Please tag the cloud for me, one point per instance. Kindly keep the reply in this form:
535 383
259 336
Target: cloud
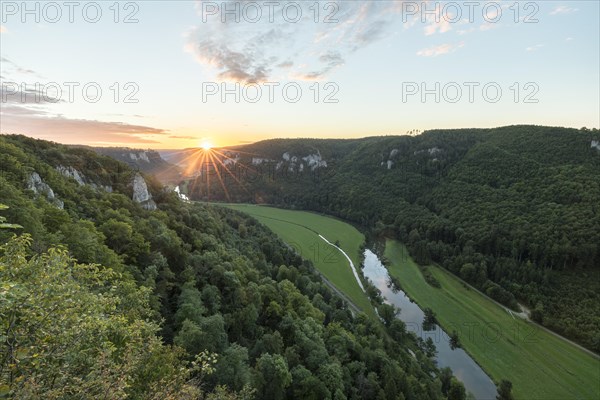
488 26
182 137
24 110
442 26
35 121
534 48
276 49
330 59
563 10
15 68
440 50
21 93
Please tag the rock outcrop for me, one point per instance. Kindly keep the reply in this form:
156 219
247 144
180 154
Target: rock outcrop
141 194
71 172
81 179
36 184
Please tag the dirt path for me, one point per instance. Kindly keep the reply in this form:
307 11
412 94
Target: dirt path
349 260
524 314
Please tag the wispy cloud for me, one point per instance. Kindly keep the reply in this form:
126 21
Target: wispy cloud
182 137
11 67
25 110
39 123
442 26
563 10
534 48
435 51
277 49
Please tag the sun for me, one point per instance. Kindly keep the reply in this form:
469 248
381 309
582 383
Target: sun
206 145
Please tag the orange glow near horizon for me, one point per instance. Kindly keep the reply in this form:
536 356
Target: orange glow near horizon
206 145
206 161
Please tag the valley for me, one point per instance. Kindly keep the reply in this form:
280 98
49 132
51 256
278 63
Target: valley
539 364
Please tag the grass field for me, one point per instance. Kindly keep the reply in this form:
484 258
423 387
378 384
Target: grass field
539 364
301 229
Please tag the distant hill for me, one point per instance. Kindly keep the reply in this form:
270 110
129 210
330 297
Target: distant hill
148 161
512 210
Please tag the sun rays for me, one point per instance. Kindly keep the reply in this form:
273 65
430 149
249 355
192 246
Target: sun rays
207 165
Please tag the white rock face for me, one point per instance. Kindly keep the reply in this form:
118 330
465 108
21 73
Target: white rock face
181 195
139 156
393 153
431 151
39 187
390 164
141 194
71 172
80 178
596 144
228 160
258 160
315 161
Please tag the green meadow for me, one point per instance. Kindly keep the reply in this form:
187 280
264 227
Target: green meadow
539 364
301 229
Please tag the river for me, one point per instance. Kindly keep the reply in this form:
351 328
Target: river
464 368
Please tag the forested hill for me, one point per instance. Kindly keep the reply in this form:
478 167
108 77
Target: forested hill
148 161
115 288
513 210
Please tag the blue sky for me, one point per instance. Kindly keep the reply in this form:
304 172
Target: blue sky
374 58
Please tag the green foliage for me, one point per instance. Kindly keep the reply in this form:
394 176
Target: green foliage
430 279
519 204
272 376
504 390
505 345
454 340
3 223
176 303
457 390
429 320
59 318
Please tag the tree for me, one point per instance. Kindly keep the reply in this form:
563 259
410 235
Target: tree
457 390
79 331
454 340
429 347
537 314
190 304
387 313
429 319
3 223
505 390
467 272
232 368
446 379
272 377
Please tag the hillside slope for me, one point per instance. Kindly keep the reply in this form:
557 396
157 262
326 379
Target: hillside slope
172 282
512 210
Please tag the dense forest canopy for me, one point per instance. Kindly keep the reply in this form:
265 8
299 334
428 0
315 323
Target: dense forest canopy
513 210
102 296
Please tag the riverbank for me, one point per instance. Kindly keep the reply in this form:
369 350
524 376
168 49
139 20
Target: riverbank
539 364
304 231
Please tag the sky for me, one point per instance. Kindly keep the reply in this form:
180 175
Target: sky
177 74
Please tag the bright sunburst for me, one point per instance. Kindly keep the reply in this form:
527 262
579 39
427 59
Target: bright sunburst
205 145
